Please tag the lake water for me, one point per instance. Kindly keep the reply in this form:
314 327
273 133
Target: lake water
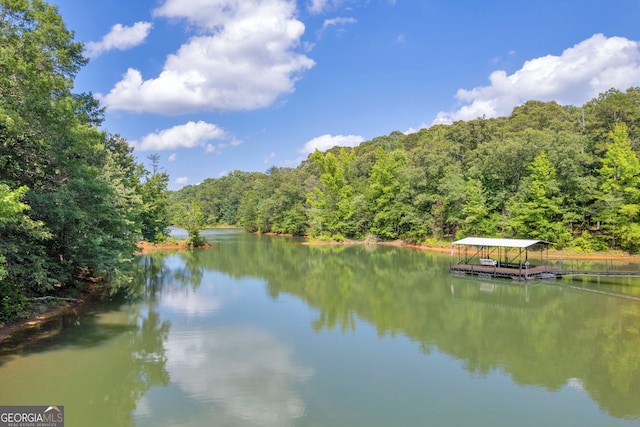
265 331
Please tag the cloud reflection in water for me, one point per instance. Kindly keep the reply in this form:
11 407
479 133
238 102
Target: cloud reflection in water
241 375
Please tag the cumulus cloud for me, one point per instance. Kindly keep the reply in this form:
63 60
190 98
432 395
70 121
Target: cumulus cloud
579 74
189 135
182 180
325 142
120 38
243 57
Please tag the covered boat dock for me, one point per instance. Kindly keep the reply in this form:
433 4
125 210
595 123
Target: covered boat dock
517 259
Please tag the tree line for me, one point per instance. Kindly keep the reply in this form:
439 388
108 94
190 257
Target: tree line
565 174
73 198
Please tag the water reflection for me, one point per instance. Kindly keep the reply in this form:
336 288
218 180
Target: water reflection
542 335
264 331
239 375
191 303
98 366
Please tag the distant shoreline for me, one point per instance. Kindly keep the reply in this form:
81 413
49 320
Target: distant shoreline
553 254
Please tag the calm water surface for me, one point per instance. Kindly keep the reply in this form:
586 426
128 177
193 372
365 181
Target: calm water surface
261 331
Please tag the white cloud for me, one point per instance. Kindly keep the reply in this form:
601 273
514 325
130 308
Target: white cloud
173 157
120 37
336 22
319 6
182 180
325 142
244 57
189 135
579 74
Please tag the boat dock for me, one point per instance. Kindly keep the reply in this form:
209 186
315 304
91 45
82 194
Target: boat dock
519 259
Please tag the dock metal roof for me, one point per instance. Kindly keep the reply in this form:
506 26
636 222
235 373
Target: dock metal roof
505 243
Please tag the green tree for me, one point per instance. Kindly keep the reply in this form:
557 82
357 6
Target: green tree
602 114
193 222
501 164
10 209
476 216
536 211
154 215
283 207
330 201
84 205
620 190
248 212
10 203
543 116
388 194
576 179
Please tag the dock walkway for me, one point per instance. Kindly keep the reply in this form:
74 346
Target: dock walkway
600 273
540 272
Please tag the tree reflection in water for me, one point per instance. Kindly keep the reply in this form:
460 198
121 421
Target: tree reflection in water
543 335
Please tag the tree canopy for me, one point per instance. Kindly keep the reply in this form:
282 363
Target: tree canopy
73 198
568 174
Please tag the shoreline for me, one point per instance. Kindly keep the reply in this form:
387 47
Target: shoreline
553 254
36 319
146 247
88 295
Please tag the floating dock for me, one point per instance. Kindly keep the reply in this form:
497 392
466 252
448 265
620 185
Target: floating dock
483 271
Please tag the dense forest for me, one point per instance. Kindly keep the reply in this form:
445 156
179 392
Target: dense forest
566 174
73 198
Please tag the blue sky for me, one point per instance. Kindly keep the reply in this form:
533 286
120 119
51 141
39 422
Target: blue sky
218 85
